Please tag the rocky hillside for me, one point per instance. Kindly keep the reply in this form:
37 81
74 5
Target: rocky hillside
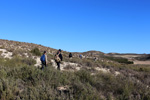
95 76
24 49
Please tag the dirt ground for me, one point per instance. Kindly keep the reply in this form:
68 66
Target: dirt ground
142 62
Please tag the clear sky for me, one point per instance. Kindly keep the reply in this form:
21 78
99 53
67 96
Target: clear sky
121 26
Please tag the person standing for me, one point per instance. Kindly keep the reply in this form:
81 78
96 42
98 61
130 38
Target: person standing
58 58
44 60
80 56
70 55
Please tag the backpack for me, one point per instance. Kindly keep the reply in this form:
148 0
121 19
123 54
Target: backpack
42 58
57 59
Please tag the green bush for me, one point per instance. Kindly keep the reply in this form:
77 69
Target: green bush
120 60
36 52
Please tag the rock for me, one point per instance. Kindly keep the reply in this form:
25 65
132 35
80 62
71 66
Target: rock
38 61
103 70
6 54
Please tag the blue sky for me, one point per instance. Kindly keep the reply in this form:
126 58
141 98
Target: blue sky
121 26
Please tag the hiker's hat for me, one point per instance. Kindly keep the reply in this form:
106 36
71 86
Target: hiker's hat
59 50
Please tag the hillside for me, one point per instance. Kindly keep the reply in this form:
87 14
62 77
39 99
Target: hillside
97 76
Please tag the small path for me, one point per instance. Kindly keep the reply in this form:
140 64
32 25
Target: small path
67 66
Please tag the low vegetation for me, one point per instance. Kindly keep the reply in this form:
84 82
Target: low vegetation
120 60
20 80
36 52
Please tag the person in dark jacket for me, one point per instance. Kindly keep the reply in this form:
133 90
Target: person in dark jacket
43 60
60 57
70 55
